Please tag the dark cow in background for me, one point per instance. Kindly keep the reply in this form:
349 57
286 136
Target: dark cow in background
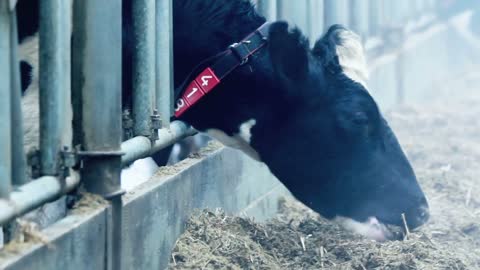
306 113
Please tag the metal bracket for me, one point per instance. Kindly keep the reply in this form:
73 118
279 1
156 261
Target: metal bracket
156 124
127 124
33 161
68 160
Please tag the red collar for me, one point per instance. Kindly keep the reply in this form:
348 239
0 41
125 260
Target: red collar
236 55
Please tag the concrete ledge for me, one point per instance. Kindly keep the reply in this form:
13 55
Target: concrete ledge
75 242
155 214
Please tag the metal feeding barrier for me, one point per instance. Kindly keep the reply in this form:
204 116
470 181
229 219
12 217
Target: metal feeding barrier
80 84
81 106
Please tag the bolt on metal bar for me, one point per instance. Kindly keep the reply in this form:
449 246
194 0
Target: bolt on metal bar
164 60
269 9
54 59
143 65
5 110
336 12
34 194
141 147
19 164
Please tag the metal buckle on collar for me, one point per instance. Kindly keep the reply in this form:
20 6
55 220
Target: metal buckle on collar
235 48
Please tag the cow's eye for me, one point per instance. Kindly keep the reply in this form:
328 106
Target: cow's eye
360 118
361 121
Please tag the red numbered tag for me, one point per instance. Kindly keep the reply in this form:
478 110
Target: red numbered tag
203 83
207 80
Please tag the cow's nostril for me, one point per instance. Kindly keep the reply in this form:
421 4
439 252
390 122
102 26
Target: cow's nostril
417 216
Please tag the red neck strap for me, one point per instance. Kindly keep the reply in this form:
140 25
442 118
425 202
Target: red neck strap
236 55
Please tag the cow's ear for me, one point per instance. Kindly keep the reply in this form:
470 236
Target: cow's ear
289 53
325 49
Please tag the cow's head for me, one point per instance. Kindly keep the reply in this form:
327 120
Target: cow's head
333 149
307 115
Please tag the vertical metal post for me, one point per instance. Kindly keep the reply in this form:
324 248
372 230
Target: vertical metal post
376 16
97 82
96 89
294 12
5 92
143 65
54 62
431 5
388 15
412 9
359 14
315 18
400 12
164 59
336 12
268 8
19 176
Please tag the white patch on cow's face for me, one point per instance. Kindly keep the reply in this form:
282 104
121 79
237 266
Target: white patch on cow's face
245 130
352 58
371 229
240 141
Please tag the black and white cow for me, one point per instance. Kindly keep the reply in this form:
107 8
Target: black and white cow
306 113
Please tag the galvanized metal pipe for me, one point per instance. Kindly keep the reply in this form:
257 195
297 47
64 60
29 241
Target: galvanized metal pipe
295 12
143 65
12 5
34 194
97 82
19 164
269 9
400 12
97 39
359 17
315 19
376 17
5 110
431 4
336 12
54 62
141 147
164 60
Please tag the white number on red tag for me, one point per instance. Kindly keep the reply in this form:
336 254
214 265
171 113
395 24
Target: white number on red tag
205 80
194 89
180 104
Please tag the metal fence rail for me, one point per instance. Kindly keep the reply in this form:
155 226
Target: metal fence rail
94 92
5 101
95 99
